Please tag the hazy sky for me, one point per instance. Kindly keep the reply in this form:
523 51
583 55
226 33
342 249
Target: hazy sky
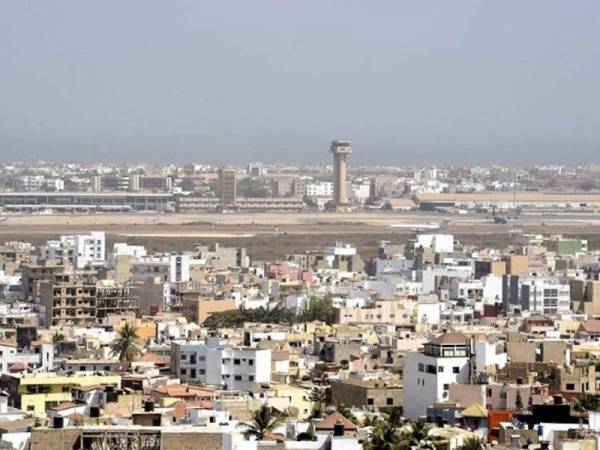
507 81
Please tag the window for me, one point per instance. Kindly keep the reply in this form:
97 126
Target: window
250 377
238 378
489 392
421 367
30 408
202 372
389 401
183 372
192 373
456 369
236 362
446 387
250 362
440 369
570 386
369 401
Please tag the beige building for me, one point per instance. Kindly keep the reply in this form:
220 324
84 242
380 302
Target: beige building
199 309
371 395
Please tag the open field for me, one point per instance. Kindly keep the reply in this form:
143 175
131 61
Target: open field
273 235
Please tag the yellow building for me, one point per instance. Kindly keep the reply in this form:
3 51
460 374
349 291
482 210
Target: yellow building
293 400
35 393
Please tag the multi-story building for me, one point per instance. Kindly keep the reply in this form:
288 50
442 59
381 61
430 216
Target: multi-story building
429 374
89 249
546 296
370 395
84 301
220 364
37 392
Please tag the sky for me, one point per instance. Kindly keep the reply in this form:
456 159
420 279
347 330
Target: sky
230 81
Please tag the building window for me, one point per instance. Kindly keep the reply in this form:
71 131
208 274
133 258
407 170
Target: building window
570 386
440 369
369 401
446 387
456 369
183 372
238 378
250 377
389 401
421 367
250 362
236 362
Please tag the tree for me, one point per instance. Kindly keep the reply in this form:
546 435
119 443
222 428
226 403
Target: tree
472 443
419 435
57 338
590 402
346 411
264 421
319 309
320 395
125 346
384 436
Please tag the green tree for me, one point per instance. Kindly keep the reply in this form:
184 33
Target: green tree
472 443
264 421
124 346
57 338
320 396
590 402
384 436
346 411
419 435
319 309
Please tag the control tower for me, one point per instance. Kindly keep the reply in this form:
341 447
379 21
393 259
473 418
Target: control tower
340 150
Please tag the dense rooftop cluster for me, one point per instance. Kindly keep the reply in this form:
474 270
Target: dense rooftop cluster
431 343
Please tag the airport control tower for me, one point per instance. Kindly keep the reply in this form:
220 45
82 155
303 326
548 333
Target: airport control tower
340 150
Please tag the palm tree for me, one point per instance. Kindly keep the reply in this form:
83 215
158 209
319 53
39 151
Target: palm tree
125 346
346 411
385 436
264 421
419 435
472 443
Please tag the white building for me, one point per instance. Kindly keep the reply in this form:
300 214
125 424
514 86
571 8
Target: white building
437 242
220 364
545 296
89 249
489 354
428 374
320 189
39 357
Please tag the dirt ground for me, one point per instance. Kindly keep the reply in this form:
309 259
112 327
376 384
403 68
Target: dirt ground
274 235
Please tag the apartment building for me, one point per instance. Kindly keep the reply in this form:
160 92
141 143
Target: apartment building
85 301
89 249
36 393
429 374
220 364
